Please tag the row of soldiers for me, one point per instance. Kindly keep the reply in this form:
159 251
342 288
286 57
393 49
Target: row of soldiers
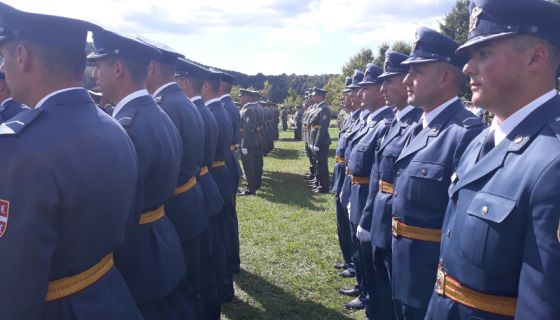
315 121
259 128
127 215
439 216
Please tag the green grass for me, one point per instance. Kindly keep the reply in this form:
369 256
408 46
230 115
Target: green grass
288 245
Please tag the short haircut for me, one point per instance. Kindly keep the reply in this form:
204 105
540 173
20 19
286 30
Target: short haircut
227 86
214 84
60 62
138 72
524 42
196 83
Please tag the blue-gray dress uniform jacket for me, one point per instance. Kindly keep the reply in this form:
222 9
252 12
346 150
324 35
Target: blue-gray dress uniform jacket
500 230
363 160
67 191
10 108
339 170
152 260
186 209
214 202
221 173
351 141
376 216
423 173
235 117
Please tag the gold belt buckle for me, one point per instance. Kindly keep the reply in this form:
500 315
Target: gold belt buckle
395 227
440 279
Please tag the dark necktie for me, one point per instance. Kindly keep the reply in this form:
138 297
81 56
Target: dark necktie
416 129
487 145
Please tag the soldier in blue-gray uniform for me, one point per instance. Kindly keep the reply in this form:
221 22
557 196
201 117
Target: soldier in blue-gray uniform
425 165
339 172
68 180
232 162
500 254
376 216
186 208
8 106
344 186
151 260
359 166
219 171
189 77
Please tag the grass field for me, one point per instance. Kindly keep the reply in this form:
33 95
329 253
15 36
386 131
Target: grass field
288 245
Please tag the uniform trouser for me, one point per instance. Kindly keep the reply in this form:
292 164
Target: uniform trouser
310 157
366 259
382 264
322 158
411 313
228 239
212 259
234 168
259 166
343 229
356 260
175 306
191 284
297 134
250 163
284 125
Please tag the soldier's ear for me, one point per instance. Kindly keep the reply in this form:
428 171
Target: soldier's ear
22 57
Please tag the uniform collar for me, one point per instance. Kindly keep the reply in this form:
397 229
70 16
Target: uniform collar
363 114
42 101
3 104
209 102
502 130
376 112
401 113
430 116
193 99
127 99
224 96
160 89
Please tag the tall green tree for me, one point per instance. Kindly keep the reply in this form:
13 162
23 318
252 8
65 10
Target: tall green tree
456 23
399 46
334 89
357 61
293 98
267 88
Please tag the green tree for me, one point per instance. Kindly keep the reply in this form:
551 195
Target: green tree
235 93
267 87
358 61
293 98
400 46
334 89
456 23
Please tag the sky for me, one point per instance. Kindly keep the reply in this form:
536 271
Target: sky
268 36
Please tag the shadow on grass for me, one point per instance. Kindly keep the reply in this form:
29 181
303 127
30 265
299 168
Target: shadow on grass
288 188
274 301
284 154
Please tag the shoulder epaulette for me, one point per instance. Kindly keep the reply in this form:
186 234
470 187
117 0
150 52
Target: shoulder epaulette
16 124
125 118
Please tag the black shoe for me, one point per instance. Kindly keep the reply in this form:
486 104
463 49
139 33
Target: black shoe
352 292
320 190
355 304
348 273
247 193
341 265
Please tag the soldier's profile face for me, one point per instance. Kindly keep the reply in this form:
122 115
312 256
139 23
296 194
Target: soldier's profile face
495 71
422 84
104 76
10 68
394 91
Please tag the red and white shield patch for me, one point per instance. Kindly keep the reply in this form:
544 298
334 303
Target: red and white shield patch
4 212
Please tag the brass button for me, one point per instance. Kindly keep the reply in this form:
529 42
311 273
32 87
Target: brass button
518 139
424 171
485 210
395 194
399 173
448 233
